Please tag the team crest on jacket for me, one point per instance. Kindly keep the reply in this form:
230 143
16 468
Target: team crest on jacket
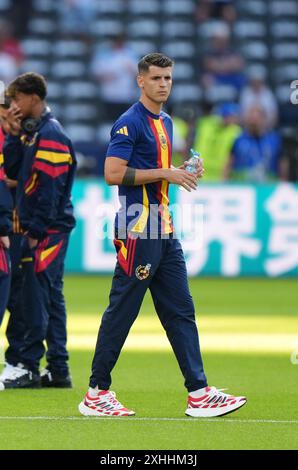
142 272
163 141
29 140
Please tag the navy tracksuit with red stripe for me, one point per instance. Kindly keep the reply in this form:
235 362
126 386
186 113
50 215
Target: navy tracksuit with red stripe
5 228
5 278
148 254
15 326
15 331
44 164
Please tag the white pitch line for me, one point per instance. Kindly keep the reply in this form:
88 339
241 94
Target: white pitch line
132 419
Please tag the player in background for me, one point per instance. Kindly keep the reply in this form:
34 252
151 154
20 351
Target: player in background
15 330
42 159
5 229
148 254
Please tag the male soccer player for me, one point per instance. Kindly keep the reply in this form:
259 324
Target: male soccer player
5 228
148 254
42 159
15 330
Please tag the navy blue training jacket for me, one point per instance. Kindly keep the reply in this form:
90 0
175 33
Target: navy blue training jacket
5 202
44 165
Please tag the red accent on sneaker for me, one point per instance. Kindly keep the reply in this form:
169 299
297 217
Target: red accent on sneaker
91 398
105 403
101 393
195 400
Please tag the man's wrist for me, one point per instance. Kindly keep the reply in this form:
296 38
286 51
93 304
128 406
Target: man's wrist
163 173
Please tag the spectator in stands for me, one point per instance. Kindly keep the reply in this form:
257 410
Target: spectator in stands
214 137
8 68
76 17
11 55
20 12
256 154
258 93
221 64
216 9
9 44
114 66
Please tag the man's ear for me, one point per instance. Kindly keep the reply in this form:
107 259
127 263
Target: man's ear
140 81
35 99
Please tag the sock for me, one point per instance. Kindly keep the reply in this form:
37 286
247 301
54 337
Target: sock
93 392
199 393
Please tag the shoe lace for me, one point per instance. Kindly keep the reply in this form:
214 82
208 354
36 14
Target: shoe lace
111 398
220 395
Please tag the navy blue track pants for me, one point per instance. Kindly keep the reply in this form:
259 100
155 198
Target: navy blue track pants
160 266
5 277
43 303
15 330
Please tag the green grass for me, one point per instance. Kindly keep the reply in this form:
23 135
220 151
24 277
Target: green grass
275 297
151 383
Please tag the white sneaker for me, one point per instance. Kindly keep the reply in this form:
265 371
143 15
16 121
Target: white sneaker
21 378
7 372
212 403
104 403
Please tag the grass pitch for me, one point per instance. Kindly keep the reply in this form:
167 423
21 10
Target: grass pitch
249 339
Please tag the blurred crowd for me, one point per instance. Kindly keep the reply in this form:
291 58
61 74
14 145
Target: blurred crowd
238 135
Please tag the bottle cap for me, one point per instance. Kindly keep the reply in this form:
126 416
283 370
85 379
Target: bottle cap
194 153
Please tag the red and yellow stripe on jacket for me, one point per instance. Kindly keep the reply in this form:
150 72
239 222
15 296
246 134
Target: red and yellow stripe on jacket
16 226
4 264
164 152
52 158
32 184
1 167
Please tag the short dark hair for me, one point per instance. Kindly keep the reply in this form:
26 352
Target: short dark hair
29 83
157 59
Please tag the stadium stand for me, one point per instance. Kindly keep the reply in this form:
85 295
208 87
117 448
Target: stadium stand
264 32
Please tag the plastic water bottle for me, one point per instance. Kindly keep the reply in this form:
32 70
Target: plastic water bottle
192 164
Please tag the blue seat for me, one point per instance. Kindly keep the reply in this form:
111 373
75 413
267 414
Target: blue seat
69 69
144 7
186 92
69 48
149 28
179 49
